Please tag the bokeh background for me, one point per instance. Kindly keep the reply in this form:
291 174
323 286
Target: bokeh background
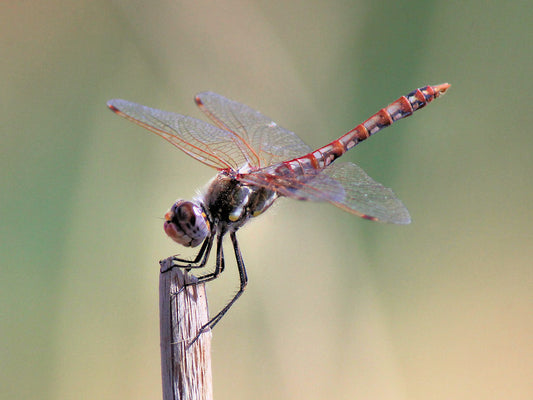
337 307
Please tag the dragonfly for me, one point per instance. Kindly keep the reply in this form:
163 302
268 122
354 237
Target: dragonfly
258 161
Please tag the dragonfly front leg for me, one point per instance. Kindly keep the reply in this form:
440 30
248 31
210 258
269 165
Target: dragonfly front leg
198 262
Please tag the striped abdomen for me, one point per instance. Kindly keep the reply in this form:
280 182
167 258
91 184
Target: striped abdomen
401 108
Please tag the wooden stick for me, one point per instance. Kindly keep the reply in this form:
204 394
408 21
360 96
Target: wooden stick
185 369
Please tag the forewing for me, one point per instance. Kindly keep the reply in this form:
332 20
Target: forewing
262 140
366 197
206 143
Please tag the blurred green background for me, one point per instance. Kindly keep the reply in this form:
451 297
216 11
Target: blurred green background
337 307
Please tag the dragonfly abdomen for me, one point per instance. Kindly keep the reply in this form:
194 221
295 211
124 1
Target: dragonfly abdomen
401 108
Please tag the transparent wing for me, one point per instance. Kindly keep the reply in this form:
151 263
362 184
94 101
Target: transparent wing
313 186
365 197
344 185
208 144
267 142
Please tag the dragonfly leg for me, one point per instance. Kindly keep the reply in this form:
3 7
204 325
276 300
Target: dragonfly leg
243 281
219 266
199 261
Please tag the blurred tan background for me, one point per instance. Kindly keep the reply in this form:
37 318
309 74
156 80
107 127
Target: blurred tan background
337 307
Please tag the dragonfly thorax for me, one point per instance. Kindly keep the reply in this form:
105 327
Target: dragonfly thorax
186 223
231 203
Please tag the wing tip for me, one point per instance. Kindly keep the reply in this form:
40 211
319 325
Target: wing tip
207 93
198 100
405 221
113 105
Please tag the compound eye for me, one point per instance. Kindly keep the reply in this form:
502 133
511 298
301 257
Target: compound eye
186 223
185 213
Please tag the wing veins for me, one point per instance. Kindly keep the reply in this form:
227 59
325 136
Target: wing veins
208 157
219 123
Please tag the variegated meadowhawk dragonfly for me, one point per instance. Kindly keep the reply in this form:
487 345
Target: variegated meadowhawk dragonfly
257 162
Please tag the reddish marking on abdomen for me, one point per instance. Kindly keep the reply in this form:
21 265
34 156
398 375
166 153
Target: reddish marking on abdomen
362 132
420 96
338 148
312 159
431 92
405 106
385 117
289 165
356 135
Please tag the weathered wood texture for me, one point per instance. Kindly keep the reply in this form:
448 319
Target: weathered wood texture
185 369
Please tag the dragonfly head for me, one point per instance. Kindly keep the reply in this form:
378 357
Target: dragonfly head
186 223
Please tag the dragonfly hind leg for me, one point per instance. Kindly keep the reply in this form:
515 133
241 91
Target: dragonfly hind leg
243 281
